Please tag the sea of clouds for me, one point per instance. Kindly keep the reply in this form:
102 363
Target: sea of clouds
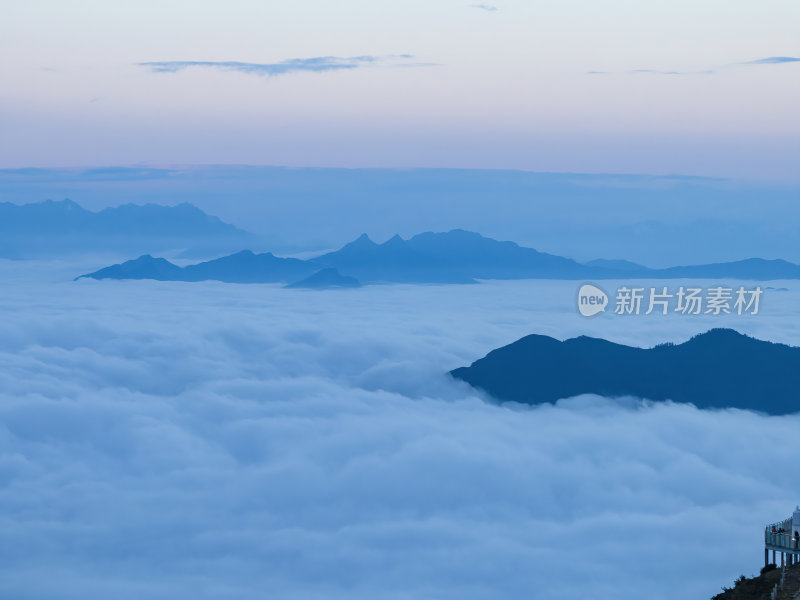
216 441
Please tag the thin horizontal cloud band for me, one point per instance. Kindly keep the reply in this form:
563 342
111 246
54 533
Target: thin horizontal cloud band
770 60
316 64
773 60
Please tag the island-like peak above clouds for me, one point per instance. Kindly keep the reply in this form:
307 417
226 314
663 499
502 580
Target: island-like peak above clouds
720 368
455 256
248 267
241 267
458 256
328 278
144 267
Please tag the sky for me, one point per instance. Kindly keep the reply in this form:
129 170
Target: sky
701 88
215 441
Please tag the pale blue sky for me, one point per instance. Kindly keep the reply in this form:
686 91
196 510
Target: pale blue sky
447 84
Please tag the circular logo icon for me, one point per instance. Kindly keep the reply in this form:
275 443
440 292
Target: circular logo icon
591 300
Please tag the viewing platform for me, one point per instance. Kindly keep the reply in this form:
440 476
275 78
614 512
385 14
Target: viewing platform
783 537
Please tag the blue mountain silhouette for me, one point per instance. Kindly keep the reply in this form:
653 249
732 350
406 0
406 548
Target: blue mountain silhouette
328 278
717 369
751 268
454 257
457 256
57 228
247 267
144 267
625 266
242 267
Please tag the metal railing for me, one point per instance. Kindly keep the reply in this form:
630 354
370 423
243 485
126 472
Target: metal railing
777 539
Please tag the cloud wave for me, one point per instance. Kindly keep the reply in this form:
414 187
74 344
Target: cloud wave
213 441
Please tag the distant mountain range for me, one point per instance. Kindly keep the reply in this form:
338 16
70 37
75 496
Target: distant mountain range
45 229
454 257
652 220
326 279
717 369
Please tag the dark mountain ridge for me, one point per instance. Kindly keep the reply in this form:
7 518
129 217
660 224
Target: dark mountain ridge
717 369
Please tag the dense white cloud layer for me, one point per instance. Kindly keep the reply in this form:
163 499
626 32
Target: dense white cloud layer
163 440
